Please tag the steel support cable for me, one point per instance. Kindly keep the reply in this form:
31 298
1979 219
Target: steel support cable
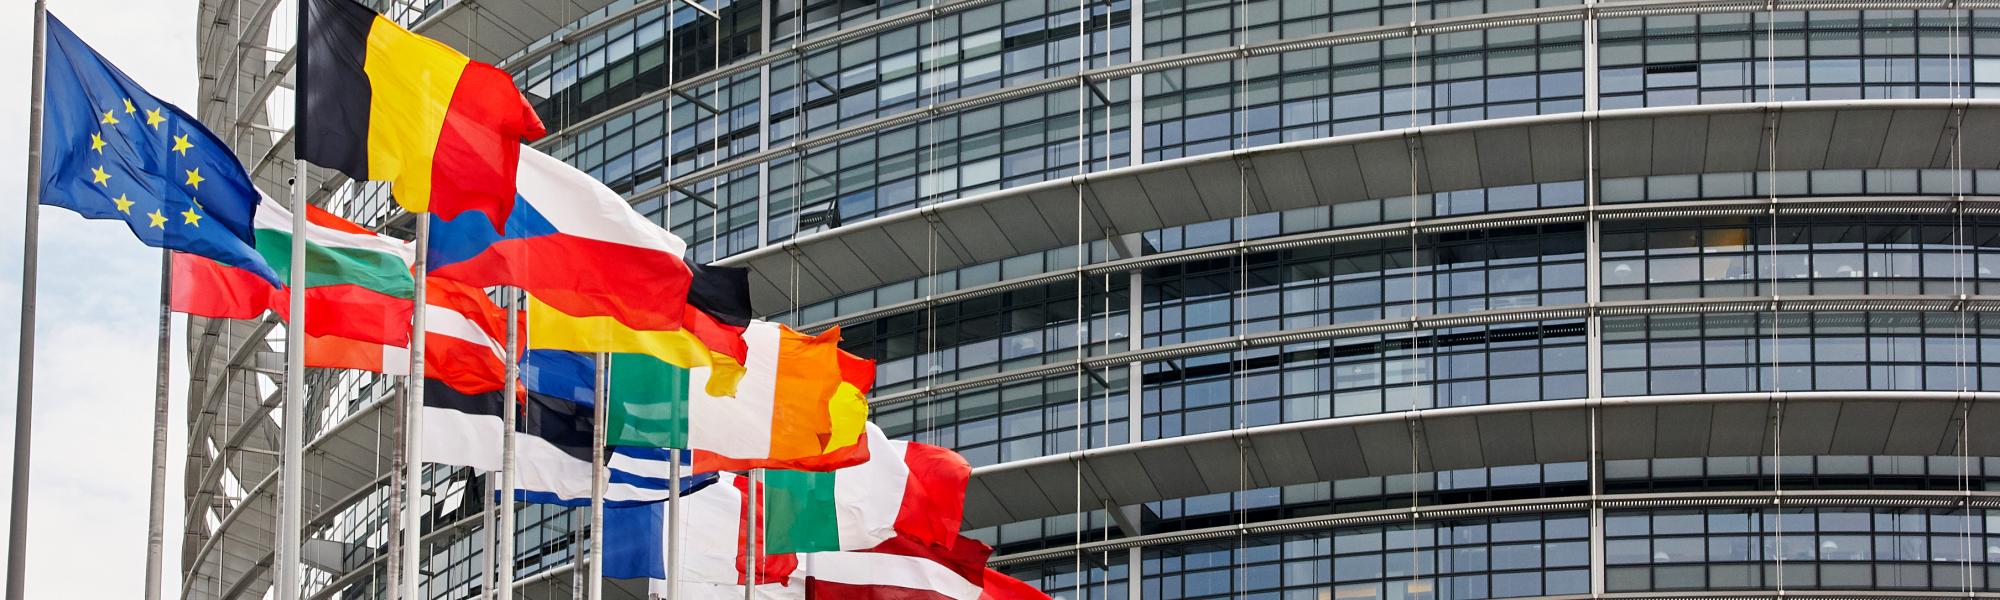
1080 381
1960 267
1777 377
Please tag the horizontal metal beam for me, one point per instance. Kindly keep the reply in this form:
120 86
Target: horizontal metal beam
1886 498
1841 303
1824 205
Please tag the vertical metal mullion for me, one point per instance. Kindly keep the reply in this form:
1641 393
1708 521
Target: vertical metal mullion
1593 294
764 139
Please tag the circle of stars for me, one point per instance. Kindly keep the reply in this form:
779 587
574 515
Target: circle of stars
100 177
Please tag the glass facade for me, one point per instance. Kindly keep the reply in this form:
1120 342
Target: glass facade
1647 355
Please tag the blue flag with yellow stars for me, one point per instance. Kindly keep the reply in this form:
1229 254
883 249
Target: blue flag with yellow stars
110 150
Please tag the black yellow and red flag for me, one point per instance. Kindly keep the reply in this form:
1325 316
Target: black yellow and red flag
378 102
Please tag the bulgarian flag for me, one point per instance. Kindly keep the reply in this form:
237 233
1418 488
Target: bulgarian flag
915 491
358 283
800 404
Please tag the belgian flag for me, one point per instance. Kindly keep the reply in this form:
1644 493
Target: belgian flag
380 103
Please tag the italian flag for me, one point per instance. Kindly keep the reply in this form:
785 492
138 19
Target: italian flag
911 490
799 405
358 283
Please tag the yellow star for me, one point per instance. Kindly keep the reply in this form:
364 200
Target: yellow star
194 178
109 119
191 217
129 109
159 220
97 143
124 206
99 177
154 118
181 144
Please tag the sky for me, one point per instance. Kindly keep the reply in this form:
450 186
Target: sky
95 339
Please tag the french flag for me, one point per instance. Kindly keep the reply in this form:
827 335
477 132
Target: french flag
572 243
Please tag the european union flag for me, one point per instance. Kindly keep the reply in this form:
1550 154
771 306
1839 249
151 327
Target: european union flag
110 150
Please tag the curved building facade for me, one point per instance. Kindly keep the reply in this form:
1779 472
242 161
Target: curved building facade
1271 299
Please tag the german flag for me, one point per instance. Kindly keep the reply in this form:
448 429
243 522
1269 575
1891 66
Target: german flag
380 103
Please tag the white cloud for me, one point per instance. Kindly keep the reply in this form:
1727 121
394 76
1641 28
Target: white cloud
95 334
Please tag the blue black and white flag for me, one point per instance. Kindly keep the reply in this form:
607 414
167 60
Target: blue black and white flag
111 150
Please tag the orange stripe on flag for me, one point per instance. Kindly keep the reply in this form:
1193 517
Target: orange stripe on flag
808 375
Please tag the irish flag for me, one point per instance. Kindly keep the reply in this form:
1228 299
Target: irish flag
911 490
358 283
799 404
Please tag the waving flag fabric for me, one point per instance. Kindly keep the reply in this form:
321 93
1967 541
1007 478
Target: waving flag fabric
462 429
111 150
998 586
465 348
554 450
717 312
908 490
576 245
801 411
712 551
799 405
795 403
898 568
380 103
358 283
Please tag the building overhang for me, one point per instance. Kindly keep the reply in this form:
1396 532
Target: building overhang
1872 134
342 465
1442 439
492 30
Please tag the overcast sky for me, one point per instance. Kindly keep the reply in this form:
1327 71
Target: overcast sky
94 350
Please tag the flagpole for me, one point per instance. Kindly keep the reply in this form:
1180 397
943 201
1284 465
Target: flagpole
285 568
594 580
750 546
392 513
674 524
486 546
413 420
24 378
511 413
156 523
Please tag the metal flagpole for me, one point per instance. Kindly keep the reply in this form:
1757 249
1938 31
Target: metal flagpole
413 420
751 549
486 575
512 411
674 524
594 577
291 475
24 378
156 523
392 567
